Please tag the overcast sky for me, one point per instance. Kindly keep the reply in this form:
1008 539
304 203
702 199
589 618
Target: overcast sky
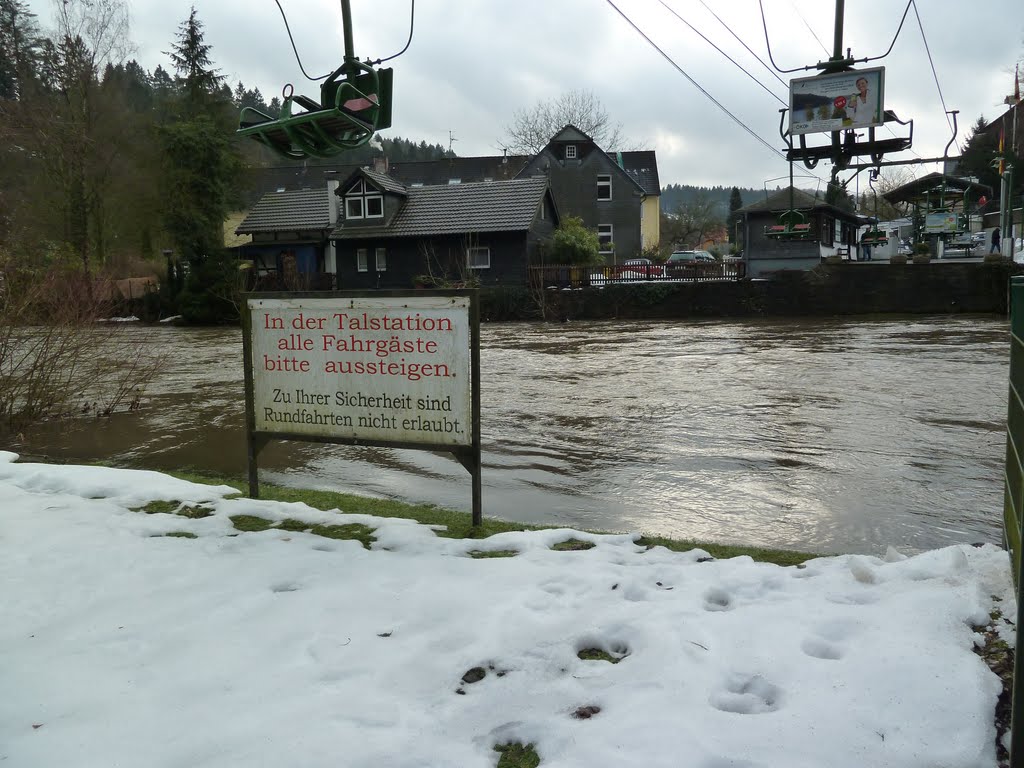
473 63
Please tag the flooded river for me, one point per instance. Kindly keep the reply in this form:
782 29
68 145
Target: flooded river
827 435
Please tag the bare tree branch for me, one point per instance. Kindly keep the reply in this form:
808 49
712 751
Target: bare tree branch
531 129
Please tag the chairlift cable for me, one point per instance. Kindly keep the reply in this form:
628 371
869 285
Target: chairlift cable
809 28
412 22
740 66
695 84
894 37
934 73
767 43
296 50
740 40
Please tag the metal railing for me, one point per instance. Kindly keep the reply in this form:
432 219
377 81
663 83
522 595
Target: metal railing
1013 498
573 276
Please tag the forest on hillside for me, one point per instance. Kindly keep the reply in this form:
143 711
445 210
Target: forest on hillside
674 196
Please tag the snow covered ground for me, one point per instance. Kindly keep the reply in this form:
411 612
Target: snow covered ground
122 646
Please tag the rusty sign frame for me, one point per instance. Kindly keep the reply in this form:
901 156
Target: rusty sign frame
469 456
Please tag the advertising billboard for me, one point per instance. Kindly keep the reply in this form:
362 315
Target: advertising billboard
941 222
837 101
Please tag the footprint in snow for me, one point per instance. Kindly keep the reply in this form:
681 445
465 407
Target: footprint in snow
717 599
820 648
747 695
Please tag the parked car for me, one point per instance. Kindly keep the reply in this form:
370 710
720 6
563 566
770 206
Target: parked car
688 264
639 269
689 257
979 237
962 241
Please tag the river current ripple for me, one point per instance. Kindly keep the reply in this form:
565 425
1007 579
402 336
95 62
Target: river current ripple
825 435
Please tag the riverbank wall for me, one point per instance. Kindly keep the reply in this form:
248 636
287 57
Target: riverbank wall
828 290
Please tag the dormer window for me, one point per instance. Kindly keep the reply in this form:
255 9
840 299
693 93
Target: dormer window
570 151
363 201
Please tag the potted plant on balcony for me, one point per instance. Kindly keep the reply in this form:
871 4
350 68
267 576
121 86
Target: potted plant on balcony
922 253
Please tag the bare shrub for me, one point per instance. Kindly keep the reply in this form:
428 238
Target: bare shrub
55 355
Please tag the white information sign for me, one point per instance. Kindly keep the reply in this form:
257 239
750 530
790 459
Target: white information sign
388 369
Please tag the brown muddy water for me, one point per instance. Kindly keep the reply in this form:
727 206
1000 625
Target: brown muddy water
825 435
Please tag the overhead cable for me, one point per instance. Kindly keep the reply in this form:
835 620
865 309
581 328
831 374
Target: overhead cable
935 75
751 52
730 58
695 84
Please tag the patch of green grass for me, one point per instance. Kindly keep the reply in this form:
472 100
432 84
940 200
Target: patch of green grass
197 512
517 756
596 654
458 525
355 531
725 551
573 545
159 507
181 535
165 507
296 526
250 523
480 554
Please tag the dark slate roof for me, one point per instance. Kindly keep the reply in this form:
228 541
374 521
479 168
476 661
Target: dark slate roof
933 181
469 169
301 209
496 206
642 166
778 202
382 181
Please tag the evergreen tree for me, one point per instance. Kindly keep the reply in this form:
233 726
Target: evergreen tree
190 56
201 170
735 203
19 47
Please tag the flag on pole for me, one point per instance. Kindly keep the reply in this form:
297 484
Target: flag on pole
1002 159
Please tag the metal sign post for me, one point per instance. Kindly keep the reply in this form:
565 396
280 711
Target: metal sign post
398 369
1013 502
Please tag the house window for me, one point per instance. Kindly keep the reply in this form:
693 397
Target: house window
604 187
479 258
353 207
361 260
604 237
363 201
570 151
826 230
454 181
380 256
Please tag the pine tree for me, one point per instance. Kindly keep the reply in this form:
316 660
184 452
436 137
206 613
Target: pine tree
190 55
19 47
735 203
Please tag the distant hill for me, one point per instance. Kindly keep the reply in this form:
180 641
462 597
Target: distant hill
674 195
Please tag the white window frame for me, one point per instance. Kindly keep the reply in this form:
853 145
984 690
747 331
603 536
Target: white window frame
477 251
570 152
358 199
351 201
379 199
610 235
380 259
604 180
361 261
